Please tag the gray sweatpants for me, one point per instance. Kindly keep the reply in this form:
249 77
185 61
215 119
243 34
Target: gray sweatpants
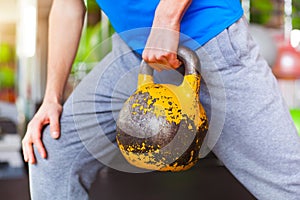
251 130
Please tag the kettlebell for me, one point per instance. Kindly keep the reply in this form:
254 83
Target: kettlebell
161 127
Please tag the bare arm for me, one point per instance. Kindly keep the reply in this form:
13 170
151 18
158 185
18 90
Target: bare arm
162 44
65 26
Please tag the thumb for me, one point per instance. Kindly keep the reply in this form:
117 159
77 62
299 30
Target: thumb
55 127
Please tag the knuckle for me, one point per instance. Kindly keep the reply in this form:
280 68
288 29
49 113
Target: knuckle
59 108
150 58
170 56
36 139
26 142
145 58
32 124
145 54
160 57
25 139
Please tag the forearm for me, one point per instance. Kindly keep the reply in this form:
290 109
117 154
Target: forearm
161 48
65 26
169 13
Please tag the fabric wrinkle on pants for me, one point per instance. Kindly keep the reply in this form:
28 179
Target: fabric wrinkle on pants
258 144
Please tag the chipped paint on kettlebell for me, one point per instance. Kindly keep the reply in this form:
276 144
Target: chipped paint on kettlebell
162 126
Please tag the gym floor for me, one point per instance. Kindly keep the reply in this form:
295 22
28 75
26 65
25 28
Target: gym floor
208 180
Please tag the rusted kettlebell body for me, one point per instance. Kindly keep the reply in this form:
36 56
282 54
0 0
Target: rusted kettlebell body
162 126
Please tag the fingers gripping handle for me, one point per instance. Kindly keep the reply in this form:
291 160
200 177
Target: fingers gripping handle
190 61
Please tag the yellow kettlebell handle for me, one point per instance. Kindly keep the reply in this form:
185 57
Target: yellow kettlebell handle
191 76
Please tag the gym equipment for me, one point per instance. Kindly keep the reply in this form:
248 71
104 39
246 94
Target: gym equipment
9 137
287 64
295 113
162 126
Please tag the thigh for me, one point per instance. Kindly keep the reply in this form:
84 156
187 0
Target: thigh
87 141
258 143
96 104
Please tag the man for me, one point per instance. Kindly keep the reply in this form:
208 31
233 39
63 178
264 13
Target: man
251 130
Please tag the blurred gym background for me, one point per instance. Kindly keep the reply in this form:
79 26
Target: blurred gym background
275 24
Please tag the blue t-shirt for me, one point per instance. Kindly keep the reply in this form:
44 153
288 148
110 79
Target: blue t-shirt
203 20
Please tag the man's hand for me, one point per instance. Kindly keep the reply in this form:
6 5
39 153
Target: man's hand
65 26
49 113
161 48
